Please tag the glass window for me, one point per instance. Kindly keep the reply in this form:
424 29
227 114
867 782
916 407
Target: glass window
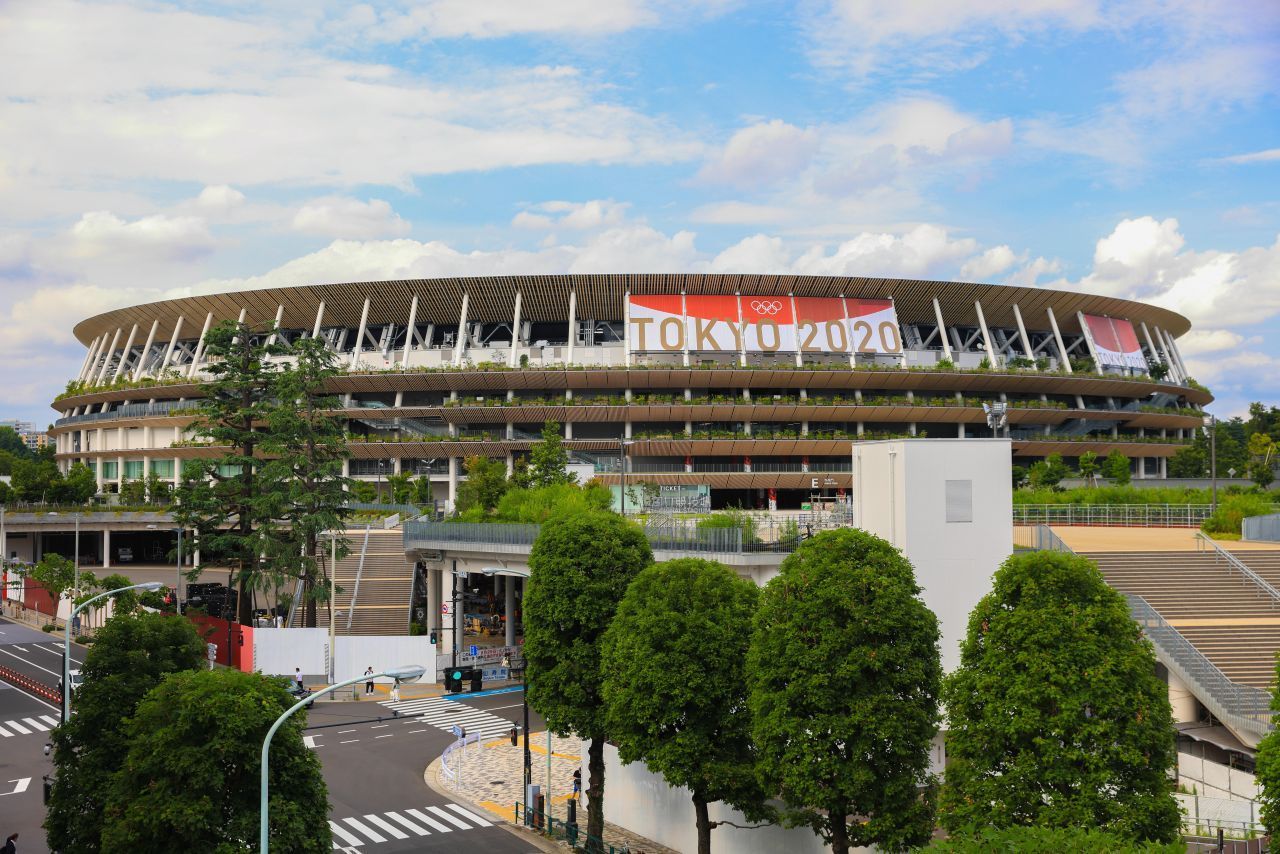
110 470
133 470
162 468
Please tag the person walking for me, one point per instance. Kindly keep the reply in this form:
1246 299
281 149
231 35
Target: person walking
395 691
368 685
297 679
577 783
10 845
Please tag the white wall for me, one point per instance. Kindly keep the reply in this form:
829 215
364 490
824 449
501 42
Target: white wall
642 802
357 652
276 652
900 494
279 651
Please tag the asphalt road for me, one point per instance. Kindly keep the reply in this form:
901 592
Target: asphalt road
372 761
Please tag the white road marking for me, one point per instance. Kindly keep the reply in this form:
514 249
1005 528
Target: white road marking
382 736
379 726
35 723
4 732
421 831
450 818
52 720
416 730
470 816
347 837
341 731
389 828
429 821
19 648
309 740
19 727
36 666
349 741
20 786
365 829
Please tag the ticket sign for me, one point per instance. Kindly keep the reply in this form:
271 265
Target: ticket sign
762 324
1116 342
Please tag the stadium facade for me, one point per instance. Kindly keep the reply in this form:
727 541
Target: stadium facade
720 389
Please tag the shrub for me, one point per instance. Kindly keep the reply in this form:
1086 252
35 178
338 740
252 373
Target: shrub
732 517
1229 516
1049 840
48 627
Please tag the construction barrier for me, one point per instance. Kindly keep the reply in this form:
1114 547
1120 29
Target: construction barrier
29 684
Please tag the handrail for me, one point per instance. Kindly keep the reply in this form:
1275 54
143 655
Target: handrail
1239 565
1243 706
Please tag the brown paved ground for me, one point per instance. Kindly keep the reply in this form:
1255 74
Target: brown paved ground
1086 538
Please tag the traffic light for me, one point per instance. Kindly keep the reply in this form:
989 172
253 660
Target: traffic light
433 637
453 680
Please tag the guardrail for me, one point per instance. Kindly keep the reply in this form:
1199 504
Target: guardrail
1038 537
1113 515
432 535
1241 706
1239 566
458 743
1261 528
29 684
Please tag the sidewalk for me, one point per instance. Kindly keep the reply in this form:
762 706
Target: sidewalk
489 775
412 691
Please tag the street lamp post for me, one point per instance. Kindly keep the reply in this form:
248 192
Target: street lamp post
622 472
1211 427
528 755
408 673
66 641
177 581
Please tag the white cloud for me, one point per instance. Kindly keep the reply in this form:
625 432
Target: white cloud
995 260
524 219
159 236
350 218
761 154
219 200
1197 342
756 254
1266 156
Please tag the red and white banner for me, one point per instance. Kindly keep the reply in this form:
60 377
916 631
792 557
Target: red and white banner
762 324
1116 342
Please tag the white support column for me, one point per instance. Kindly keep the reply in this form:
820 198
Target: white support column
168 351
1022 333
1172 347
92 368
626 328
275 325
177 472
515 335
460 345
986 333
106 548
90 351
795 318
124 354
453 484
243 313
199 351
573 325
684 330
1057 337
315 329
364 321
433 602
1151 347
106 362
146 350
409 332
942 331
1088 340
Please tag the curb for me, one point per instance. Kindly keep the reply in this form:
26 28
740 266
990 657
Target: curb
431 776
29 684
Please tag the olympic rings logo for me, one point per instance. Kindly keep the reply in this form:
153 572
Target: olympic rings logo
769 307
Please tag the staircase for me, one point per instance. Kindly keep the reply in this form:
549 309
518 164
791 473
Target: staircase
382 586
1229 619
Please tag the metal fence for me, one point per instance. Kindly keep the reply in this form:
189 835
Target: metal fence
1235 704
692 539
1038 537
1261 528
1113 515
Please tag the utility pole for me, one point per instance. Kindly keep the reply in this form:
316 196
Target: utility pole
453 616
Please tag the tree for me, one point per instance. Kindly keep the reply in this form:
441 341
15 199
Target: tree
133 493
190 778
1057 717
1261 450
36 480
129 657
642 494
1019 476
1268 768
126 602
1116 468
843 672
548 460
56 574
1048 473
674 682
485 485
401 487
1089 467
80 485
579 565
12 443
309 448
236 502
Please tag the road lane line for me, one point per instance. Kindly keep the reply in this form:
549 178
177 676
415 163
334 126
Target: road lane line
416 730
4 732
53 651
349 741
496 708
52 720
383 736
388 827
32 663
341 731
19 727
18 648
421 831
309 740
469 816
35 723
429 821
379 726
449 818
347 837
365 829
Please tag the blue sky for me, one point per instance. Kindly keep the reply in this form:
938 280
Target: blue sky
150 150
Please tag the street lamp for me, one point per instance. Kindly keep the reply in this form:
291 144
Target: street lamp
1211 430
77 557
177 581
382 464
622 471
66 644
407 673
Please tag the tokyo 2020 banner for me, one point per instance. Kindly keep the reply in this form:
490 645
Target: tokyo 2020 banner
762 324
1116 342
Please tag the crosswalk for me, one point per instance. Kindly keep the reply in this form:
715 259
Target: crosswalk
444 714
27 726
357 831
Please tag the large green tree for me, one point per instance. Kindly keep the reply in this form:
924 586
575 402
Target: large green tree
844 673
129 657
189 780
1116 468
308 449
1056 715
675 683
580 567
12 443
485 485
548 459
237 501
1268 767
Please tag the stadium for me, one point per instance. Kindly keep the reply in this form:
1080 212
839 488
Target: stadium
720 390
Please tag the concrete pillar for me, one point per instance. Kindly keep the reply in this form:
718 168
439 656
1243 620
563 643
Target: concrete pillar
199 350
124 354
433 599
1057 338
146 350
168 351
986 333
1088 340
106 361
460 345
509 608
513 356
359 347
942 330
453 484
106 548
409 332
1182 701
573 326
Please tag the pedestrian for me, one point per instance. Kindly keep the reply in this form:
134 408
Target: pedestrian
297 679
577 783
395 691
368 685
10 845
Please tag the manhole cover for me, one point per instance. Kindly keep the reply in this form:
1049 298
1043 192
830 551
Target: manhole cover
496 782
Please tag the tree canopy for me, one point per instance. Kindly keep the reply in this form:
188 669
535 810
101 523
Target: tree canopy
844 673
580 567
129 657
674 688
1056 715
1115 467
548 459
190 778
484 487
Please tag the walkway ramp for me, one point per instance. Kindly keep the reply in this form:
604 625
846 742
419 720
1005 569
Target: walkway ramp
382 587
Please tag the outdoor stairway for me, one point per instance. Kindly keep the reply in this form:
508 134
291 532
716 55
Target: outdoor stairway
386 586
1228 619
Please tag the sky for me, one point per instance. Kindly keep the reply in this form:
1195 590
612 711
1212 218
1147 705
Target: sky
150 150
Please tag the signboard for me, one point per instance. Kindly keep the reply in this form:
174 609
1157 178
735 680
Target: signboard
1115 342
672 323
475 650
444 608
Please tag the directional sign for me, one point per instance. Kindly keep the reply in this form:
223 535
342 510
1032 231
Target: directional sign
19 787
475 650
457 731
